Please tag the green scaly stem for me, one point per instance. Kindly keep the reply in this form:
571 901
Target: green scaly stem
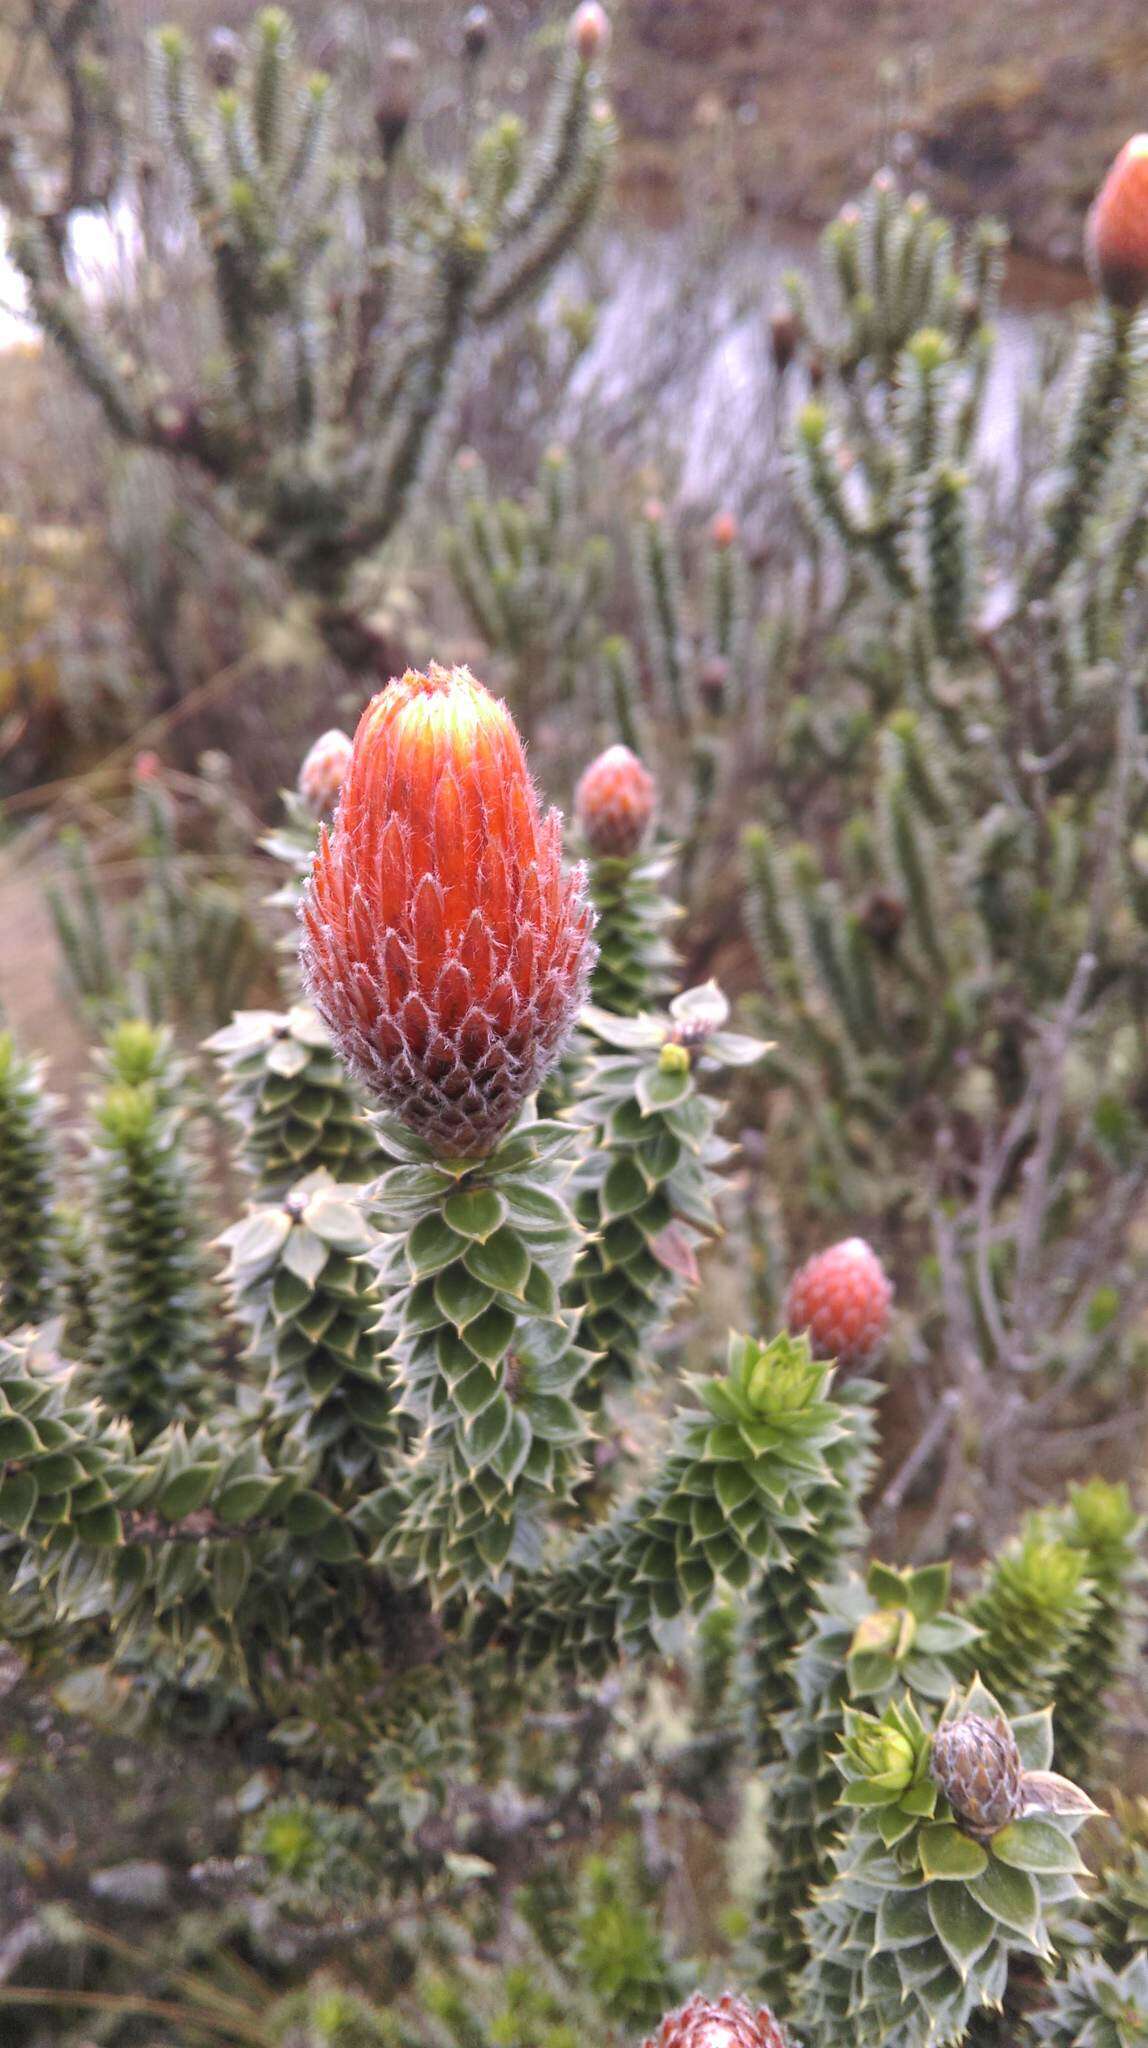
644 1192
290 1098
1034 1604
870 1639
733 1490
486 1357
300 1275
153 1335
28 1251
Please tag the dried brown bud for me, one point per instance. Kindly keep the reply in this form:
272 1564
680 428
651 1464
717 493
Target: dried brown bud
784 335
223 57
977 1765
713 681
882 918
395 100
476 32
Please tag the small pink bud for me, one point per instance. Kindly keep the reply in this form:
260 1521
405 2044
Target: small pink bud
322 771
614 803
590 30
842 1298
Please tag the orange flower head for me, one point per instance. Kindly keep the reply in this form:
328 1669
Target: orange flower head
1116 237
443 945
614 803
323 768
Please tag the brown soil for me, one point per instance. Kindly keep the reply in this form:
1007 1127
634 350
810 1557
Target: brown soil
1013 110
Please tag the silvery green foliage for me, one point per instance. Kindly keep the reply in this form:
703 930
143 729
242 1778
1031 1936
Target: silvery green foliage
867 1641
645 1187
740 1472
153 1337
293 1104
914 1931
1096 2007
487 1357
635 966
28 1253
301 1276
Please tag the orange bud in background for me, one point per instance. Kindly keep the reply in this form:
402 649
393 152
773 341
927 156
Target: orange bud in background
614 803
1116 235
323 768
589 30
443 945
724 530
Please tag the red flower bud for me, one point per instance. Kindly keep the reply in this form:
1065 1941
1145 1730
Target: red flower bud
321 775
725 2022
842 1297
614 803
1116 237
443 945
724 530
